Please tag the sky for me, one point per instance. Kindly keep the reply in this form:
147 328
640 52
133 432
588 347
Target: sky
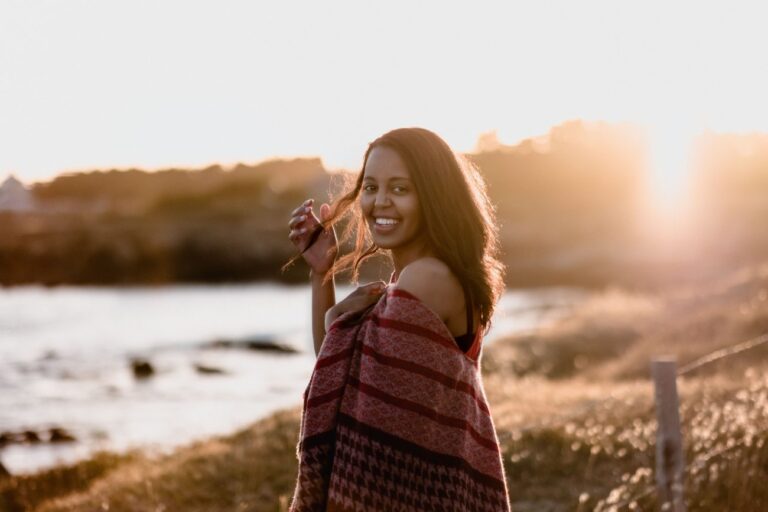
153 84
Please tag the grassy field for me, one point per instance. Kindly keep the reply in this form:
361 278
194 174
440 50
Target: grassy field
572 404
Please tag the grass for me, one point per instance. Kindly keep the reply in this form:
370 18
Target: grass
28 492
613 334
588 449
572 404
252 470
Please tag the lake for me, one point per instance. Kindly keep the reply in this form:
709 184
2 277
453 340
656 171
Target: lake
65 361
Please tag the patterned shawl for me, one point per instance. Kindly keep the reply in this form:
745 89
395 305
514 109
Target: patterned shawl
395 418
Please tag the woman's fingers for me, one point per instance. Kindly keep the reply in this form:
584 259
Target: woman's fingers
364 296
373 287
301 220
303 207
376 288
325 212
372 297
298 219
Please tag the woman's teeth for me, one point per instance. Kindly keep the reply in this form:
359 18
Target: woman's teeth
386 221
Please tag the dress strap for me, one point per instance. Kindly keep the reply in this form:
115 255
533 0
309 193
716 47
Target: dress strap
475 338
470 315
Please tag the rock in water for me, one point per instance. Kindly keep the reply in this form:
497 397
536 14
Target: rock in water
142 368
269 345
4 473
208 370
254 343
59 435
51 435
30 436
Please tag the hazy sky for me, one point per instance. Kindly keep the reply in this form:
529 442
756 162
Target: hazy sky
105 83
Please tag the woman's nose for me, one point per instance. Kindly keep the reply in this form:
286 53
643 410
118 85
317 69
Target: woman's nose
382 198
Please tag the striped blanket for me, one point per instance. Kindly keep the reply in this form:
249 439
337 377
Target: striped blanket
395 418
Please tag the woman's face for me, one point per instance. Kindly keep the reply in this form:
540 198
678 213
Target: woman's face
388 200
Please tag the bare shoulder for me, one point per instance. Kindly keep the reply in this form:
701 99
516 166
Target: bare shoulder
433 283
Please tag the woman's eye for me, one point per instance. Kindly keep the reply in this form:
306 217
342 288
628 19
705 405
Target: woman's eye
397 189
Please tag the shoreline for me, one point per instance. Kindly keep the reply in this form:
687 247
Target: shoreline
102 402
84 452
573 436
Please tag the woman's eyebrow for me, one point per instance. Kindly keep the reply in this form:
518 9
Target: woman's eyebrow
405 178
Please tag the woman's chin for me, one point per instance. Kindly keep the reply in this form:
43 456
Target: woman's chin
392 237
383 242
396 242
384 237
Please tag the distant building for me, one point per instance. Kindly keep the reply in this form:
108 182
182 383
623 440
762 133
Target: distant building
15 196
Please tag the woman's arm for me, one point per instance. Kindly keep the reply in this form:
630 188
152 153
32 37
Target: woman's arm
323 299
319 252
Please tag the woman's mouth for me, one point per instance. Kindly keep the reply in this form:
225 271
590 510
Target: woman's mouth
385 224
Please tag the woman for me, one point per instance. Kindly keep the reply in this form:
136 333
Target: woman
395 416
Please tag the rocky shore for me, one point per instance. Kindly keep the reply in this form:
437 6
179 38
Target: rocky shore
574 436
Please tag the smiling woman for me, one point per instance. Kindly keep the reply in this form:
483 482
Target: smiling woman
414 199
395 415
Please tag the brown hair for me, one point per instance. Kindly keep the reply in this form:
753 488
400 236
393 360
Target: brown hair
458 216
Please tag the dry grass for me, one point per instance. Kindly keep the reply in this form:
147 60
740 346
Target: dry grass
253 470
572 404
598 330
726 456
575 445
613 334
28 492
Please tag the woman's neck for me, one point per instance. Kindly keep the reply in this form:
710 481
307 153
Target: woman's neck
402 257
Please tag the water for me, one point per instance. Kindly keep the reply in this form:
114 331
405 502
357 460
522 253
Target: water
65 361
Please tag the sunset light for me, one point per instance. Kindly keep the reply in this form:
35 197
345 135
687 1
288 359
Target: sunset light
301 255
155 84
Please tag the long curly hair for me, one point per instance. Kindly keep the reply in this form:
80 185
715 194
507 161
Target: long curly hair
458 218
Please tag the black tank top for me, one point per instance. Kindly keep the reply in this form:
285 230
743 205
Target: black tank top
465 340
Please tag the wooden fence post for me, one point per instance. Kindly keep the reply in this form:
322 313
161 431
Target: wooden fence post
669 440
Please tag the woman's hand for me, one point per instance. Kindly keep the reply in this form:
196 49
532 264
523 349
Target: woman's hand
359 300
322 253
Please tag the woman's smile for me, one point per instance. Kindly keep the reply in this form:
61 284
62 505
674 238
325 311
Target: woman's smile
385 225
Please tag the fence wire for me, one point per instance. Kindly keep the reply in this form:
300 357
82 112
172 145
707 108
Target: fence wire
723 353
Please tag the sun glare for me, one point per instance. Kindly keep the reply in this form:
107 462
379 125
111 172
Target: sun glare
668 211
670 148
